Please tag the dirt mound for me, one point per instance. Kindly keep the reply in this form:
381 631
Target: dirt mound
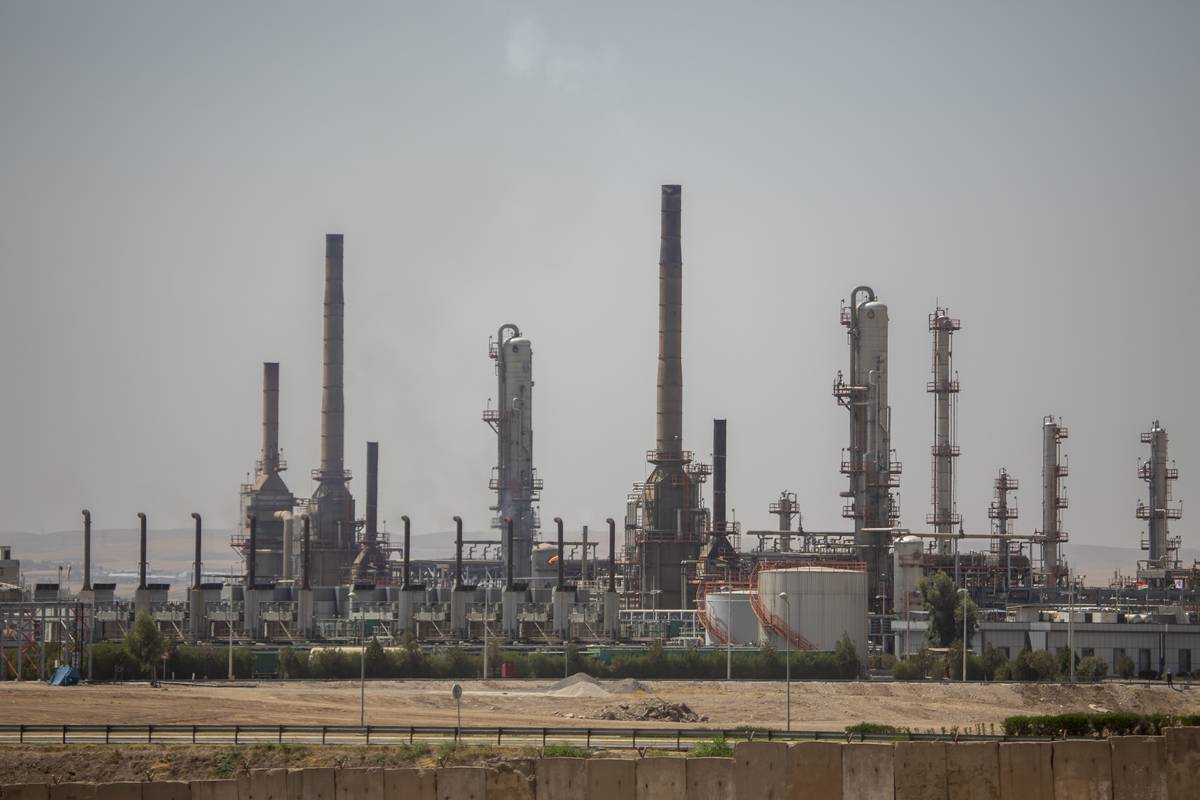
577 678
581 689
627 686
651 710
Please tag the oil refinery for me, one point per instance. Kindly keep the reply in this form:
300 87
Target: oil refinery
670 564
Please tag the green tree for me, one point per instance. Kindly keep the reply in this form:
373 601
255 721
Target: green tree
1092 669
1035 665
946 608
1125 666
847 658
376 661
145 643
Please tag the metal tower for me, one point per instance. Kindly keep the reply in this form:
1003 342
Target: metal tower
1001 512
785 508
514 479
267 495
1054 500
944 388
869 461
1159 473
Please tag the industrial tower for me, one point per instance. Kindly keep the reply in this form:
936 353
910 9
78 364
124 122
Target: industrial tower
1159 473
371 563
1001 512
665 515
514 479
332 507
268 498
868 461
1054 500
944 388
785 508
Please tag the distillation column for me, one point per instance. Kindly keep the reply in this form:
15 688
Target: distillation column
268 496
1159 474
1054 500
944 388
786 507
868 461
514 478
1002 512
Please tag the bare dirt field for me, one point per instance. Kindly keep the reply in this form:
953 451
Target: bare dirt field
815 705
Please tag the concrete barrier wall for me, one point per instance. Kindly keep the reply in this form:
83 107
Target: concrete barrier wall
1123 768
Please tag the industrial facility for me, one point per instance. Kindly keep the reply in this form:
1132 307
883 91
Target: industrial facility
673 566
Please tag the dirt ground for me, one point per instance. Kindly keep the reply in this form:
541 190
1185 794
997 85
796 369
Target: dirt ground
815 705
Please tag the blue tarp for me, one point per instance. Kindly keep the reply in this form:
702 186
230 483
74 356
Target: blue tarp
65 676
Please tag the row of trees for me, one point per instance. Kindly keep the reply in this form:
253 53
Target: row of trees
409 661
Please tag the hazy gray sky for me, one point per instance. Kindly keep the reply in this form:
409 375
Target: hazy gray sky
169 173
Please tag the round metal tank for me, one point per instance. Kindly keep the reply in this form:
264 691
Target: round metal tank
731 611
823 605
906 567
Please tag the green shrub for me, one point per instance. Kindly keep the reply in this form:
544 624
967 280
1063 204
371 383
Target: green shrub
564 751
712 748
1035 665
871 728
1092 669
1125 666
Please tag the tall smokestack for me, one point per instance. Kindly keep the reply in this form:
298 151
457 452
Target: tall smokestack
670 313
196 579
142 551
270 418
718 475
87 550
333 409
372 491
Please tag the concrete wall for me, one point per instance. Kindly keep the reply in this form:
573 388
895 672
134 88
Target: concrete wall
1124 768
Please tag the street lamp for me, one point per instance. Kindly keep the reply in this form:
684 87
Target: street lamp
787 655
963 592
728 626
362 666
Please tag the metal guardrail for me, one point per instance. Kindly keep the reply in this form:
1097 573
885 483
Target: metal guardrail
607 738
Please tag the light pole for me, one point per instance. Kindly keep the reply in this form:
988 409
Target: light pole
787 655
229 624
1071 624
486 608
728 626
362 664
963 592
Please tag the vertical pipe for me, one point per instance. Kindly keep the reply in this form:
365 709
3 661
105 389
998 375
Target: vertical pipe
372 491
407 550
252 554
270 418
304 557
142 550
458 568
197 564
508 567
670 323
562 555
332 400
87 550
612 554
719 444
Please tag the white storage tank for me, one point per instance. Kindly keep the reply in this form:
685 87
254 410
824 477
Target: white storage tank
730 612
823 604
907 571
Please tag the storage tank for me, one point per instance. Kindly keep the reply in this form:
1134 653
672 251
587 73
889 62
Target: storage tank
823 604
730 612
907 571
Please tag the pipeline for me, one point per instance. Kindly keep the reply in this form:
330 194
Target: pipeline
407 551
304 584
252 554
458 567
508 574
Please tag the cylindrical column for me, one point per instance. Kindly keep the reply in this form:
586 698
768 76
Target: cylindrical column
304 556
718 475
670 324
270 418
87 550
372 491
562 555
407 550
612 554
508 566
252 554
197 565
142 550
458 568
332 400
